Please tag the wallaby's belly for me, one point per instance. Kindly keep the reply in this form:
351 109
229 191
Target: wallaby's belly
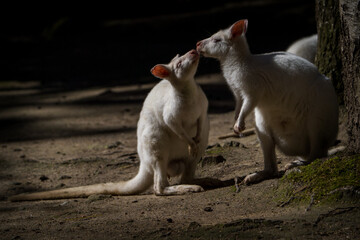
288 132
160 141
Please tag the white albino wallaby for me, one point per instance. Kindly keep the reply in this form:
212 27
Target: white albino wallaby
295 106
172 135
305 47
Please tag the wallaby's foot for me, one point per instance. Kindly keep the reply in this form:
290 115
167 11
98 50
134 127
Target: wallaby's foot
180 190
336 150
258 177
296 163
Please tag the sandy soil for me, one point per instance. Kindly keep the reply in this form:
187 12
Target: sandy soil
55 139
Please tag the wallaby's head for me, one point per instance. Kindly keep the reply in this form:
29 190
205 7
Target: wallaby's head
180 69
219 44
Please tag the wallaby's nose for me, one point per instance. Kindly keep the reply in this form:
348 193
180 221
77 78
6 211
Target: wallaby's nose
198 44
193 52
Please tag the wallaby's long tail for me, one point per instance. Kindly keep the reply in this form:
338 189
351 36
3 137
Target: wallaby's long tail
141 182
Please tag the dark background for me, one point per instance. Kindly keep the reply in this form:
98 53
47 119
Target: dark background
67 46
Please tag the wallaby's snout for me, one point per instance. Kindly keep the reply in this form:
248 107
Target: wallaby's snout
193 52
198 45
193 55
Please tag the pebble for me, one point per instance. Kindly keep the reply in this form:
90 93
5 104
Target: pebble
43 178
208 160
208 209
194 225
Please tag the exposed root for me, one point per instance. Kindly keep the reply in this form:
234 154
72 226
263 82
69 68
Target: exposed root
239 181
245 133
283 204
311 203
334 212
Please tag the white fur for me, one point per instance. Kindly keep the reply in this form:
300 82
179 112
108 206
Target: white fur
305 47
174 118
295 106
172 136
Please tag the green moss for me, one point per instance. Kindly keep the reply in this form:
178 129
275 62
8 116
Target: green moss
215 151
321 179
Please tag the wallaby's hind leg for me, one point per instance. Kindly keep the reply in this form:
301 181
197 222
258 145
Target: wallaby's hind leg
161 183
317 153
296 163
318 149
270 165
175 168
160 176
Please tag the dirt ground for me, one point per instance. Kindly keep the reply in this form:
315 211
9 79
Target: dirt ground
55 139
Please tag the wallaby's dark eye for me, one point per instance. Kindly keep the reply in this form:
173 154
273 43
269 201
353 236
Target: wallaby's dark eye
178 64
217 40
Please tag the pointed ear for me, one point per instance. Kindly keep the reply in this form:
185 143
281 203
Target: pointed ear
238 28
160 71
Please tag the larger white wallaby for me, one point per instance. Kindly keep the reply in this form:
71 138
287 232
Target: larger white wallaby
172 136
295 106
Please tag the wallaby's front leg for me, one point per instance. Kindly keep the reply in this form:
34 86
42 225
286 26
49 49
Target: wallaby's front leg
182 134
199 124
270 164
246 108
238 105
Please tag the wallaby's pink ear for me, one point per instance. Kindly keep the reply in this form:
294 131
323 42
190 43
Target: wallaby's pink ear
239 28
160 71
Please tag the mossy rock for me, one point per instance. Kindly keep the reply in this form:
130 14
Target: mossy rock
324 179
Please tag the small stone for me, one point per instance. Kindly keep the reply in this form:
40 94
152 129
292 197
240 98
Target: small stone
64 177
208 209
44 178
208 160
213 146
64 203
194 225
231 144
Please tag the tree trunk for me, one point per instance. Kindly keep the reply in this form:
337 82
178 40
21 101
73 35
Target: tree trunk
350 54
328 57
338 57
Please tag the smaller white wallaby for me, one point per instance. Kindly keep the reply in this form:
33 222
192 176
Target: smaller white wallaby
305 47
295 106
172 136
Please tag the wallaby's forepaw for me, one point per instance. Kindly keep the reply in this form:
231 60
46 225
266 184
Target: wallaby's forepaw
258 177
238 128
193 150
